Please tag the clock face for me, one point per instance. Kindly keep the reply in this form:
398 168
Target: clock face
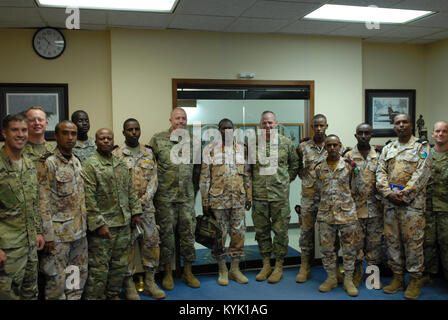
49 43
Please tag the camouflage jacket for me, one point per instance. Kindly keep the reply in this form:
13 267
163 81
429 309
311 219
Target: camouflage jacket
408 166
275 186
111 198
176 181
437 191
143 170
309 155
225 186
61 198
368 200
33 154
84 150
334 192
19 207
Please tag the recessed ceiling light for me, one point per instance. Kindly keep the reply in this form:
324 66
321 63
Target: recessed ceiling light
333 12
128 5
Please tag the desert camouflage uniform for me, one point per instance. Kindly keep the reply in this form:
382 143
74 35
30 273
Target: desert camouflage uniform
174 201
20 222
337 213
225 188
111 200
84 149
143 170
309 155
63 213
33 153
436 230
407 165
271 210
368 205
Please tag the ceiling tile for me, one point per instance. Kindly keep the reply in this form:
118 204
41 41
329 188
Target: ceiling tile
57 16
366 3
408 31
437 36
431 5
312 27
139 19
255 25
18 3
193 22
20 15
360 30
230 8
439 19
280 10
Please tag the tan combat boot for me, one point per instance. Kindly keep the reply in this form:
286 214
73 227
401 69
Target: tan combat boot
223 278
330 283
397 284
188 276
265 271
414 287
305 269
150 286
168 282
131 291
349 285
426 280
277 274
235 273
358 275
339 274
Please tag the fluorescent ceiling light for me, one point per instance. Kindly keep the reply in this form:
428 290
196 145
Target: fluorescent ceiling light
333 12
131 5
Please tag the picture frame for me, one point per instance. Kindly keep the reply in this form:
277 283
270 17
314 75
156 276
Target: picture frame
52 97
292 131
381 105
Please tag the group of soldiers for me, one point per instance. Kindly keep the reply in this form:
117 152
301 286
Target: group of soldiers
79 213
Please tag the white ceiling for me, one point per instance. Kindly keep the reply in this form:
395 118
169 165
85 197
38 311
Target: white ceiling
248 16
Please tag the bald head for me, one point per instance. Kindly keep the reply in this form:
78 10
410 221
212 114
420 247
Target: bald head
104 140
178 119
440 135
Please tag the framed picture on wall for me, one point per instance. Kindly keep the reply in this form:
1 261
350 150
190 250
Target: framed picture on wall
292 131
53 98
383 104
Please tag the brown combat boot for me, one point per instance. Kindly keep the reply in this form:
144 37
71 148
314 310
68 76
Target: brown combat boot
397 284
330 283
277 274
305 269
131 291
349 285
236 274
189 277
150 286
265 271
223 278
358 275
414 287
167 281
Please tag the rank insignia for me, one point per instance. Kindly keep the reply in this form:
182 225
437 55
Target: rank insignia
423 155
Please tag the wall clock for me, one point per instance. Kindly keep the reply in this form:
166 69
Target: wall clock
49 43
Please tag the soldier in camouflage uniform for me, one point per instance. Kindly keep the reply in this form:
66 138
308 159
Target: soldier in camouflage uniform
226 190
20 223
174 202
368 201
336 181
271 210
436 230
401 177
85 145
63 213
143 170
112 207
36 146
310 153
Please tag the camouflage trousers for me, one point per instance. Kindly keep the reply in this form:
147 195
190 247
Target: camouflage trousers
371 240
271 216
232 221
307 219
350 241
148 244
18 277
172 216
54 267
404 233
436 242
108 262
